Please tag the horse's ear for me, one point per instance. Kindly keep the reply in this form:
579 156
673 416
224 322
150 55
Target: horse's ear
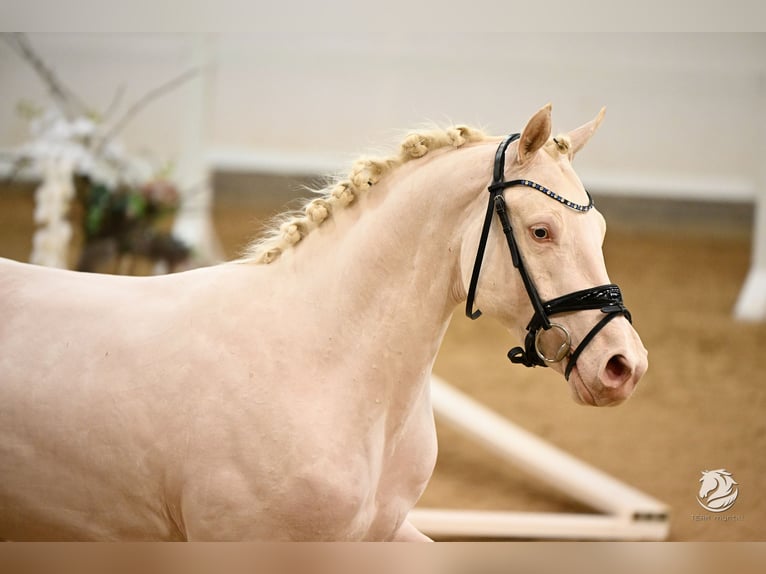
535 134
580 136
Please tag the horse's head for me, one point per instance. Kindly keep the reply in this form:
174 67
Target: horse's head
579 326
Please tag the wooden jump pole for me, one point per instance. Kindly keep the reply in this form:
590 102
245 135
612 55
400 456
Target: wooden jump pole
532 525
628 513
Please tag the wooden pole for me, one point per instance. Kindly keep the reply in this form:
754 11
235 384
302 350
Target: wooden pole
630 512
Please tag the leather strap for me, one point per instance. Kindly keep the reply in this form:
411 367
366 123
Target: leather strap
605 297
584 343
497 176
518 262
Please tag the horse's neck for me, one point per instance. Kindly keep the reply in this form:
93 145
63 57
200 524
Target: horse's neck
385 274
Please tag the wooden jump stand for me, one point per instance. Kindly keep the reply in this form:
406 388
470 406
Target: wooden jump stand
628 514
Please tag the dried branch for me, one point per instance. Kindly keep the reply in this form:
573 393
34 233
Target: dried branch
114 104
142 102
65 99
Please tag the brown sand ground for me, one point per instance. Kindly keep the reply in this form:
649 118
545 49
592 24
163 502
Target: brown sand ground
701 406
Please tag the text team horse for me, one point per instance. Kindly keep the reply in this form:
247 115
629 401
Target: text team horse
285 396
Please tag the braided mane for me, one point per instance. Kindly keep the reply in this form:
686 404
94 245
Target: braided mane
290 228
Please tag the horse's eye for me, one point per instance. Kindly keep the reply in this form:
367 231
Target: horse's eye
540 233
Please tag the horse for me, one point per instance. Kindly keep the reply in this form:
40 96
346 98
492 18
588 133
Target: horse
284 395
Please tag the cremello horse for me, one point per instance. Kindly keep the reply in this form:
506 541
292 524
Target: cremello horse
285 396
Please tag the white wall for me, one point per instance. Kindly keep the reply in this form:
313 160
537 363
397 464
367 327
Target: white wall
95 66
680 107
686 113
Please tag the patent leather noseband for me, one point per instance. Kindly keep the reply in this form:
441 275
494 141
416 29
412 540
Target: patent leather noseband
607 298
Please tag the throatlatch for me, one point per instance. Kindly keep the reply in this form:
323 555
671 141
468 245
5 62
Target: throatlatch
537 350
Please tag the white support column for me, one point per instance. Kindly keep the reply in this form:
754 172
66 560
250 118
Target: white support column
751 305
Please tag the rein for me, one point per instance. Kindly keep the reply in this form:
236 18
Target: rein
607 298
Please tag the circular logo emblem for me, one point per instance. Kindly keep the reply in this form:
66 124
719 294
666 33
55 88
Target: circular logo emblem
718 490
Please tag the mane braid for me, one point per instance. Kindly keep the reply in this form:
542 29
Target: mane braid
289 228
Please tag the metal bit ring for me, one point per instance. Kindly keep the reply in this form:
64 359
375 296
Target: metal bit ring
562 351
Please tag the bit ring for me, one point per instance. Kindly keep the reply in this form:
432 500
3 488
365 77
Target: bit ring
563 350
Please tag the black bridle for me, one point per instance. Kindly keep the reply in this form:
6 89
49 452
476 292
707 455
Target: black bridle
607 298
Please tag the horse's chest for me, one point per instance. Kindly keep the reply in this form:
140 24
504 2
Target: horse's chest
408 461
361 486
410 464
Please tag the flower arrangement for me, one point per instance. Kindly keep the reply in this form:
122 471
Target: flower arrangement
121 199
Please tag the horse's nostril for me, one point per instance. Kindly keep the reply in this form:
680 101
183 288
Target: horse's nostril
617 371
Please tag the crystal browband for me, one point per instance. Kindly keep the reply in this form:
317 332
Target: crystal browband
550 193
